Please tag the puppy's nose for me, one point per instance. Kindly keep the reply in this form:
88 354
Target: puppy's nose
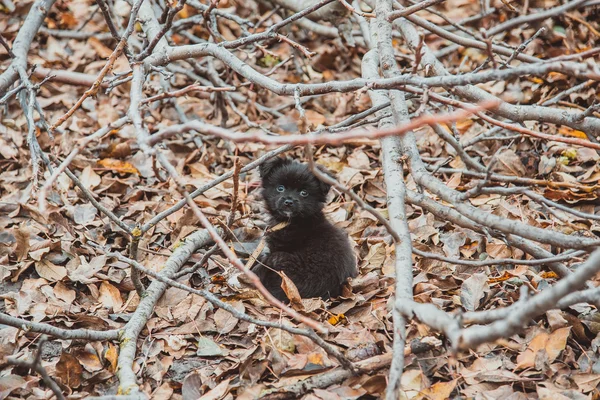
288 203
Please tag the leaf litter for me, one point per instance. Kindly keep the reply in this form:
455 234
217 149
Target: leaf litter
191 350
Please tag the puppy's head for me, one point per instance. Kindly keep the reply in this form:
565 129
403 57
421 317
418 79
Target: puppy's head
291 190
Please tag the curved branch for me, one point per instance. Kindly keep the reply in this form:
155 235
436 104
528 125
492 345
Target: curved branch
129 337
67 334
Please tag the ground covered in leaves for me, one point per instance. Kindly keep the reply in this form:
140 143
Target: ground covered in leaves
52 273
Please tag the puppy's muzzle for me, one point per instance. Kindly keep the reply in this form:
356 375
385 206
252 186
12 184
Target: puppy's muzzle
287 207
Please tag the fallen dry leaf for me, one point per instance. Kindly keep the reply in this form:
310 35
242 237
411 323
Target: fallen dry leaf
110 296
118 166
69 370
553 344
291 291
54 268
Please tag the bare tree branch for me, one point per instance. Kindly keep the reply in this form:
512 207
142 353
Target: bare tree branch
513 322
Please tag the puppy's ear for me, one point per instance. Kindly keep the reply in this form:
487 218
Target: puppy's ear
269 166
324 187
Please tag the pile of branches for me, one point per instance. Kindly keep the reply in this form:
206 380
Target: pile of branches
443 137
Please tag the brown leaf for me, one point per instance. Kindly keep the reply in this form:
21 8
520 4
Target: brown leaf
375 385
89 178
553 344
527 358
472 291
336 319
509 163
291 291
461 126
412 380
112 356
50 271
224 321
192 387
164 391
82 271
504 277
251 393
557 342
453 242
439 390
118 166
550 394
350 177
117 150
69 370
9 383
358 159
64 293
282 340
208 348
84 214
38 254
218 392
316 359
67 20
22 235
587 382
110 297
89 361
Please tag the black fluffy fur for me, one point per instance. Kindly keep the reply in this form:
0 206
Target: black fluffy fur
312 252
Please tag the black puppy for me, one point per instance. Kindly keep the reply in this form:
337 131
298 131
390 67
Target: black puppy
311 251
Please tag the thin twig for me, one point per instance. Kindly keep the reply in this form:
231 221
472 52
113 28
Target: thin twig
412 9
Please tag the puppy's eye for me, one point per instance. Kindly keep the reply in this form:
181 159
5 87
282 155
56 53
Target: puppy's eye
280 188
303 193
